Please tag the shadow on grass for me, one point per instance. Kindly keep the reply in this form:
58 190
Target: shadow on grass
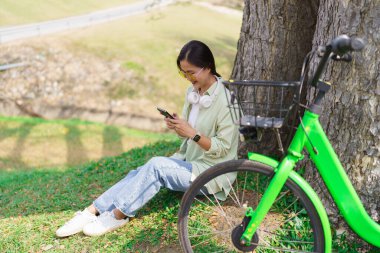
111 141
75 148
19 145
76 153
15 155
44 191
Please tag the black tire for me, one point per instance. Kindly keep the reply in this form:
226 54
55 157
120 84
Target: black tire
205 223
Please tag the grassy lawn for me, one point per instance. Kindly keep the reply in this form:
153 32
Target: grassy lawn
26 11
33 204
29 142
46 176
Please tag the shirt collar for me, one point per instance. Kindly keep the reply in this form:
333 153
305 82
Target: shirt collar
211 90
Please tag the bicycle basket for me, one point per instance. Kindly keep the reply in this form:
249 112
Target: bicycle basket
262 104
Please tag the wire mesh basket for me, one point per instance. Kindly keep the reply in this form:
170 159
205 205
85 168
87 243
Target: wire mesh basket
261 104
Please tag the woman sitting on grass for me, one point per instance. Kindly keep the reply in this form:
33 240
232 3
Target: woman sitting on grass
209 137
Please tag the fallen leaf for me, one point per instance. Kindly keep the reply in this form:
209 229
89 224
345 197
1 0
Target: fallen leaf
47 247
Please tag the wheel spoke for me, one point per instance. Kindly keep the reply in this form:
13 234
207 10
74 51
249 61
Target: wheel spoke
213 233
233 191
218 206
245 185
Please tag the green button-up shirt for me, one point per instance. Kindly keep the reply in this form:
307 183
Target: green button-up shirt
216 123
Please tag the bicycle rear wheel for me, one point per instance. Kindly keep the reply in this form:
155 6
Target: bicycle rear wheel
206 223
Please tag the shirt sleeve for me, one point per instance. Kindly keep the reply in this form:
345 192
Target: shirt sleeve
226 134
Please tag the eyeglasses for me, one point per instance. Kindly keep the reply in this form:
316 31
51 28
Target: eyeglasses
189 76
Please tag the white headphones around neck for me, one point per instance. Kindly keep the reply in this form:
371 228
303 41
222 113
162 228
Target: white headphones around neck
205 101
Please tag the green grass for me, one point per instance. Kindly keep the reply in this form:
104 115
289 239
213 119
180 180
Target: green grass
36 199
26 11
32 142
33 204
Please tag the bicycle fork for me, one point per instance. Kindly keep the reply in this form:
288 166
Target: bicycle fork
282 173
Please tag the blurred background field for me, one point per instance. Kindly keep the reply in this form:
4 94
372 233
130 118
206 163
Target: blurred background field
25 11
149 45
129 63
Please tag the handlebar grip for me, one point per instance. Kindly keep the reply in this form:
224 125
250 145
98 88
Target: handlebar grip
346 57
343 44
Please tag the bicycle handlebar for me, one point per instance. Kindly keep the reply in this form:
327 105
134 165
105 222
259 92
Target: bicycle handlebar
339 46
344 44
337 49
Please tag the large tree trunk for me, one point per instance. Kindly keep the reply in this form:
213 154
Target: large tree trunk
351 109
275 37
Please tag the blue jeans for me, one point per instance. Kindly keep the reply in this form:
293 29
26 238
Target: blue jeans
140 185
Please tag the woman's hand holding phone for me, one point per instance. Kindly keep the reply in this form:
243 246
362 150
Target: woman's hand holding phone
169 124
167 117
165 113
181 127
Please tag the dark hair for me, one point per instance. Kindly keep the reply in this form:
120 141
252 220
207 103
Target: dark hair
199 54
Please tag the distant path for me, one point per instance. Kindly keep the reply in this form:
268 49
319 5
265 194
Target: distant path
221 9
37 29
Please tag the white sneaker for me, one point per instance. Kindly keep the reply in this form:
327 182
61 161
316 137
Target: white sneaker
106 222
76 224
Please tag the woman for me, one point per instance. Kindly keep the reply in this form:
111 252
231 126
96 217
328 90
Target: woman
209 137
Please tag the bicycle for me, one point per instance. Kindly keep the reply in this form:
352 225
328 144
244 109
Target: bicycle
264 205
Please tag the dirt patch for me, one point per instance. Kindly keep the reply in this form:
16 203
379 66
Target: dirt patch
219 224
232 215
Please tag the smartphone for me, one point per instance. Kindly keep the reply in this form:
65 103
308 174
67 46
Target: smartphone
165 113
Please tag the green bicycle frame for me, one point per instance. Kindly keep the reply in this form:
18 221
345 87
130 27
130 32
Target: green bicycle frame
332 173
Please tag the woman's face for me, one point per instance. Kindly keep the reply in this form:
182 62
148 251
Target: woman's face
196 75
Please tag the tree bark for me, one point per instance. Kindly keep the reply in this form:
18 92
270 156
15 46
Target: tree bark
275 37
351 115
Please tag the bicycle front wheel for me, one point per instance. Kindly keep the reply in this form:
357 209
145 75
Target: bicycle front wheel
209 224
